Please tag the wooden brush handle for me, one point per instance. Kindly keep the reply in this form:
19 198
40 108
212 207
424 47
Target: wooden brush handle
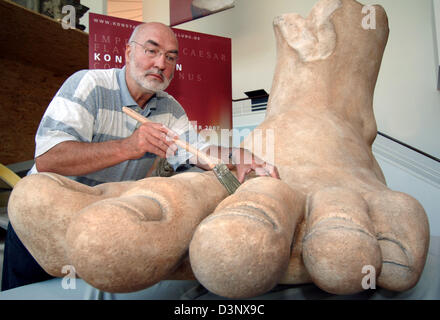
211 162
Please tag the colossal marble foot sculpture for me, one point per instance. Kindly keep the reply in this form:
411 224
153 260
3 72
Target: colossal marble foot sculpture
328 220
321 116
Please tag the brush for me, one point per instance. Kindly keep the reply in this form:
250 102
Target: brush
221 171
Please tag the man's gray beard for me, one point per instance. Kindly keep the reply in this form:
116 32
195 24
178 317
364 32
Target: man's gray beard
150 86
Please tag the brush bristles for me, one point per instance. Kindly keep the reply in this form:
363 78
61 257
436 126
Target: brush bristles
226 178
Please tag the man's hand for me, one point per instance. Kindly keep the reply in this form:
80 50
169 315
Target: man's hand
245 162
153 138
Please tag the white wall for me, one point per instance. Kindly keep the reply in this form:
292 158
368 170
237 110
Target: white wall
407 103
249 25
96 6
436 13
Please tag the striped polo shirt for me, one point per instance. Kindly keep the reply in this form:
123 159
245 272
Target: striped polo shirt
88 108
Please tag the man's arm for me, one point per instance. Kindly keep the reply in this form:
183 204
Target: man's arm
73 158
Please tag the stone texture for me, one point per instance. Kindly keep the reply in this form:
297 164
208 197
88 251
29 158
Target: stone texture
213 5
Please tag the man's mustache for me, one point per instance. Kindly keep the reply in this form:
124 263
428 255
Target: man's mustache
155 72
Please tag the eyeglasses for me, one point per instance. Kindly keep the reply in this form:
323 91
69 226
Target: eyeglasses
151 52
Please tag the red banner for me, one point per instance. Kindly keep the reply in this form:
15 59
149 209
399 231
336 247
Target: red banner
202 81
108 37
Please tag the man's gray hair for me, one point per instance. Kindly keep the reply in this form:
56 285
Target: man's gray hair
134 33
